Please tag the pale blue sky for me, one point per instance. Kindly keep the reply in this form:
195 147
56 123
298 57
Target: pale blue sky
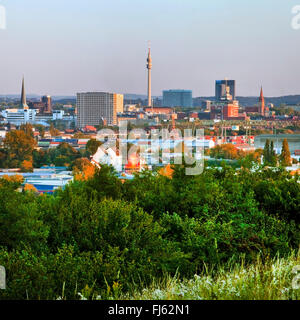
66 46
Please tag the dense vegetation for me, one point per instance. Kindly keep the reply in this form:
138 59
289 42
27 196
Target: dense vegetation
103 236
273 279
19 150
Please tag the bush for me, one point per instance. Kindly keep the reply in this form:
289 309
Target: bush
101 235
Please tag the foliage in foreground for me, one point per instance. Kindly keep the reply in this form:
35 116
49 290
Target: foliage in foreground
269 280
102 233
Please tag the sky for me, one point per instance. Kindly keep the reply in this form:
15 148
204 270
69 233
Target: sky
68 46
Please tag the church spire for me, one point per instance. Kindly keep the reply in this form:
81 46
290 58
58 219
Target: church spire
23 96
261 98
261 103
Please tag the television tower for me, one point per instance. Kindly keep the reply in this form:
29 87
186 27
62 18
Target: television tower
149 67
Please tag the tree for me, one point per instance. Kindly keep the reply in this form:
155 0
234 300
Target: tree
269 154
226 151
92 146
3 158
83 169
266 153
273 157
30 188
28 129
64 155
41 129
285 157
54 132
19 146
13 181
27 166
41 158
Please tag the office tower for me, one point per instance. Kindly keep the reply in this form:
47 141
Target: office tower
261 104
96 108
206 105
47 101
23 103
120 103
149 67
221 88
178 98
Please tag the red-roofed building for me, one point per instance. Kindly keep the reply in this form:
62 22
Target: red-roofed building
159 110
89 129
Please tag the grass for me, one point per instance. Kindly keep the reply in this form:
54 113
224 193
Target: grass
269 280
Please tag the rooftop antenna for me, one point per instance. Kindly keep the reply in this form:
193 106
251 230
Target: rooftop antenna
226 85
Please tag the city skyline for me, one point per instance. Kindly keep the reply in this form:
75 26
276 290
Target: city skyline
192 44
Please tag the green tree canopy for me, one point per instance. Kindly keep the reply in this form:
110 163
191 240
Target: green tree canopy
269 154
19 145
285 157
92 146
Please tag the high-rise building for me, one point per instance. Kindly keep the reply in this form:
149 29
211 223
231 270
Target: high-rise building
178 98
47 101
23 103
221 88
96 108
120 103
206 105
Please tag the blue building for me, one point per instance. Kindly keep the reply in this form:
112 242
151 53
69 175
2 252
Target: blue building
221 88
178 98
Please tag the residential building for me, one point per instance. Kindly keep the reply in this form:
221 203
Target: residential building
120 103
96 108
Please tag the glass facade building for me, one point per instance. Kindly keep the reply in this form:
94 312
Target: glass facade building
178 98
221 88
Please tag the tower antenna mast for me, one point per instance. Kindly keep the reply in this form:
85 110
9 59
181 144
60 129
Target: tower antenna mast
149 67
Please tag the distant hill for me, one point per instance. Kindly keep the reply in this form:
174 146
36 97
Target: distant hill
64 100
55 98
244 101
17 96
251 101
132 96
